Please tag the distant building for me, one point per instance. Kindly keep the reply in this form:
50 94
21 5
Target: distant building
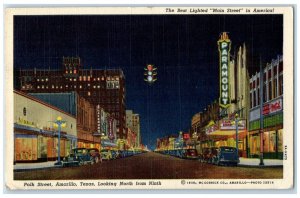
104 87
133 122
272 111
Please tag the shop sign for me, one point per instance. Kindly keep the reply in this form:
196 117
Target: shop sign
211 129
230 125
224 53
26 123
254 114
272 107
98 119
110 128
186 136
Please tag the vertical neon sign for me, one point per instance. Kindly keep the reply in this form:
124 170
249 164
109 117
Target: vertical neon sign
224 45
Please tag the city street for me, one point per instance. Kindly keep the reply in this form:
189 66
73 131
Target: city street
151 166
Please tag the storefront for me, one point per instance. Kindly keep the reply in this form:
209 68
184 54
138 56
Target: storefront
223 133
272 130
33 144
35 137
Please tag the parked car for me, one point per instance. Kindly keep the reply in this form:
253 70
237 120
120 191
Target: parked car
115 154
78 156
213 151
106 154
95 154
204 156
226 156
189 154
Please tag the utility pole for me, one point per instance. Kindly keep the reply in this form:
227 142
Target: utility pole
261 82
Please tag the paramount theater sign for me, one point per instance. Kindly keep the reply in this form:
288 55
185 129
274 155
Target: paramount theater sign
224 50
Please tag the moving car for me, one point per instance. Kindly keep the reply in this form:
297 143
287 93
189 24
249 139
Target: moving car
226 156
78 157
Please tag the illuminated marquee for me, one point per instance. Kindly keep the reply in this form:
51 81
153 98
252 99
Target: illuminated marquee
224 50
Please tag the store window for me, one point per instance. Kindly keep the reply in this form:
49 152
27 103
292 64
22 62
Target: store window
251 102
26 147
279 140
270 141
254 144
270 90
254 98
281 84
265 92
275 88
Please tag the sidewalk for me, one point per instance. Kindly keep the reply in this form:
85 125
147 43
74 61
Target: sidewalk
34 166
254 162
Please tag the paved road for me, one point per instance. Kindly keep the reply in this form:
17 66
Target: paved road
151 166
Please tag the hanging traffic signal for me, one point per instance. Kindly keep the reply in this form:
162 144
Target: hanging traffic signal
150 74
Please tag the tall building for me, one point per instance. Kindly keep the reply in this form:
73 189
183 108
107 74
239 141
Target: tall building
133 122
272 111
234 90
104 87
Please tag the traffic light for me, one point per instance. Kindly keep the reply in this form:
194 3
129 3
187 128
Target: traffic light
150 74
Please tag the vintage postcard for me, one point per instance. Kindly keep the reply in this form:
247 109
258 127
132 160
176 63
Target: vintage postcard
149 98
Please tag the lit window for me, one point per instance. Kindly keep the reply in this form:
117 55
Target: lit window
46 79
52 86
102 78
98 86
80 78
89 93
70 79
94 79
38 87
46 87
88 85
23 87
89 78
66 71
74 79
80 86
94 86
75 71
61 87
42 80
71 72
84 78
75 86
38 80
42 86
98 78
67 86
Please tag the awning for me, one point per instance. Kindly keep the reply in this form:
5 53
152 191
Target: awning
106 143
225 132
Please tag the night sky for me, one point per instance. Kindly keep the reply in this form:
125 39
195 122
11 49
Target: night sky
182 47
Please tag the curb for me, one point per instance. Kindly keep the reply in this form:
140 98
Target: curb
39 168
258 166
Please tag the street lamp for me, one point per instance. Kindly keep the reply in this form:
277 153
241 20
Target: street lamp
59 123
237 134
